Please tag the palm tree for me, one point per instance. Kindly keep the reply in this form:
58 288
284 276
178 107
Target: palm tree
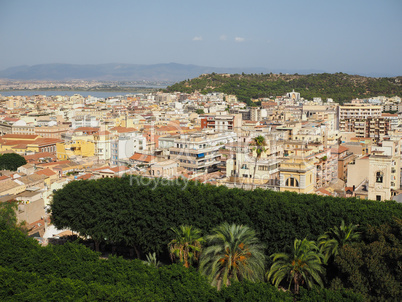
303 265
234 253
337 237
186 246
259 144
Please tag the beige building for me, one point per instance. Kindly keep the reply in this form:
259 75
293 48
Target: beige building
379 171
350 110
384 172
298 173
358 171
166 169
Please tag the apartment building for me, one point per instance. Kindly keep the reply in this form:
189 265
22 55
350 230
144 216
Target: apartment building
374 127
351 110
102 142
241 167
221 122
125 145
199 152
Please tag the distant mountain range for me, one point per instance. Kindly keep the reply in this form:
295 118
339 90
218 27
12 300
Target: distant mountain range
171 72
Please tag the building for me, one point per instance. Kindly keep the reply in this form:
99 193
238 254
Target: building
384 178
240 169
344 157
351 110
294 96
199 152
166 169
298 173
102 141
124 146
221 122
374 127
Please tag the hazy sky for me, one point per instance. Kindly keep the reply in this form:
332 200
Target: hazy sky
354 36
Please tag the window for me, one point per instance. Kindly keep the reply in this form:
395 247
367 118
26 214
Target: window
378 197
378 177
292 182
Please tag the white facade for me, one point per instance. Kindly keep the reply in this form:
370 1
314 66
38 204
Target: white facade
125 146
84 121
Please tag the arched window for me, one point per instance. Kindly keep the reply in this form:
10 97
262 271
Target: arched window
378 177
292 182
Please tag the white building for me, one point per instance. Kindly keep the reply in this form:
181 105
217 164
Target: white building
125 145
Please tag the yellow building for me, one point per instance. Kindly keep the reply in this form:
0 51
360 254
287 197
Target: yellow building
21 143
75 148
297 174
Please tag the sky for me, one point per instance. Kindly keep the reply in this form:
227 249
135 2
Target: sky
353 36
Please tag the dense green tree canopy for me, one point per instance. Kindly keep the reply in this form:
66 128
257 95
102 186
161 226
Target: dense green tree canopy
11 161
141 212
340 87
373 266
71 272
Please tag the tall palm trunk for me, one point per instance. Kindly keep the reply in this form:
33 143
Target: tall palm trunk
255 171
296 281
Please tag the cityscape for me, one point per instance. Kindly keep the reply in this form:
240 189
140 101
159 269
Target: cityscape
131 169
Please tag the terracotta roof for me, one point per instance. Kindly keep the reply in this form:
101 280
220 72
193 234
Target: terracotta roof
46 172
123 129
46 141
85 176
98 169
20 146
3 177
143 157
323 191
390 114
39 155
10 119
103 132
20 136
86 129
119 169
339 149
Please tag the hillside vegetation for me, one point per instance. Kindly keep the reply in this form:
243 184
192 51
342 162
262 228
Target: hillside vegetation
340 87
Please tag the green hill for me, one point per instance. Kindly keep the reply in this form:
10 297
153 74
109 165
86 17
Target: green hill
340 87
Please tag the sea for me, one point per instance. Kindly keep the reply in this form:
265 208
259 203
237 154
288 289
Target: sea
97 94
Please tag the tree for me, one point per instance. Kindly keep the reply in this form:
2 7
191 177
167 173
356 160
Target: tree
336 238
85 207
303 265
8 216
200 111
186 246
234 253
259 147
11 161
372 266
